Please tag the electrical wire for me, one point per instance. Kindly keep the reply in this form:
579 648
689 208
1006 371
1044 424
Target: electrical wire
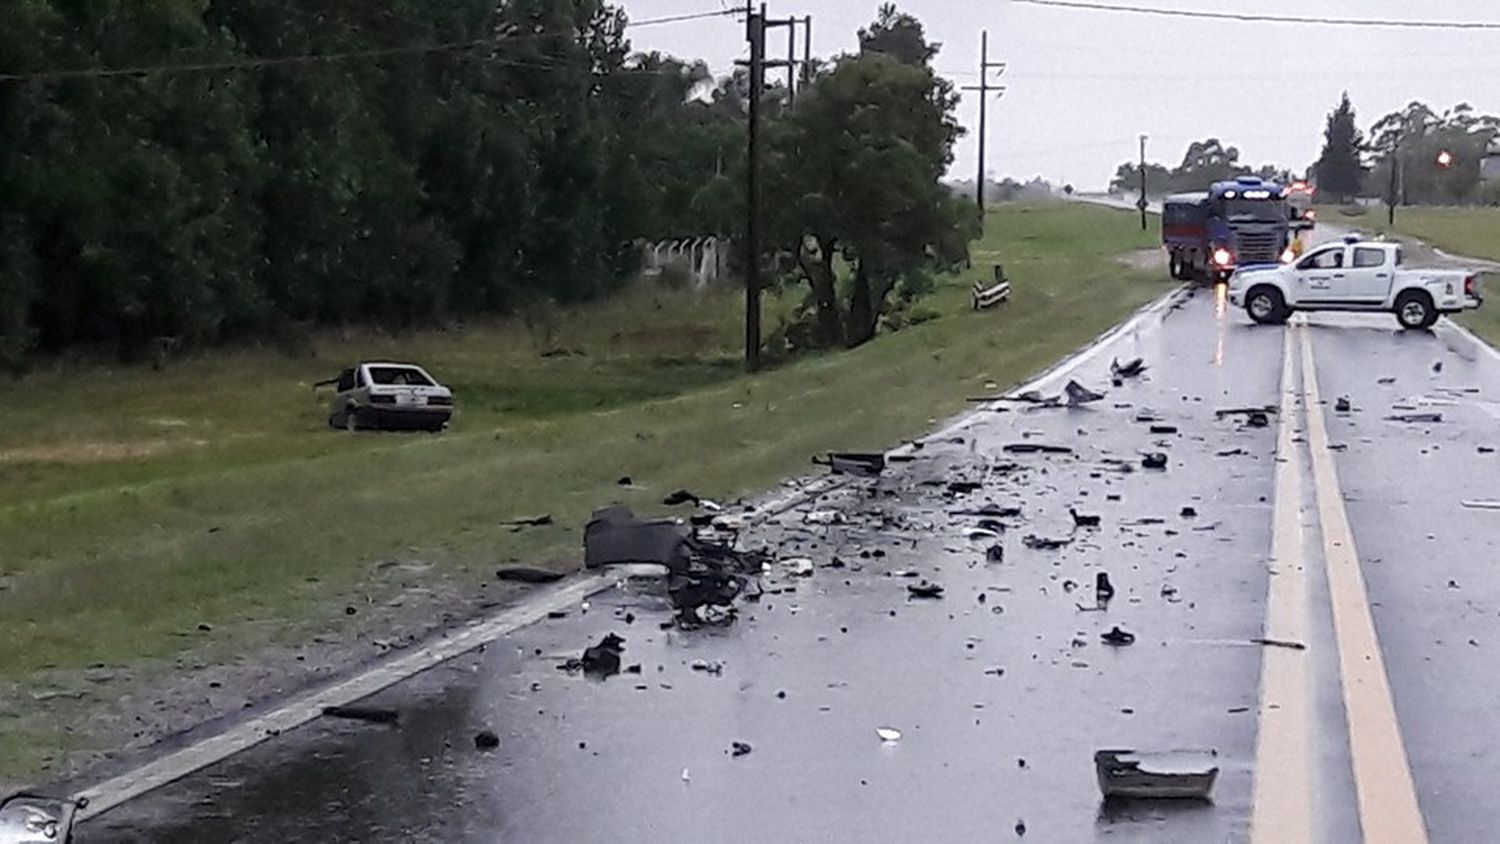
350 55
1255 17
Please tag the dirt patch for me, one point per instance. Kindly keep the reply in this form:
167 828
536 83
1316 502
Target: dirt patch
1148 260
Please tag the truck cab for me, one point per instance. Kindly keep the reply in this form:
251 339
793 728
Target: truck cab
1238 223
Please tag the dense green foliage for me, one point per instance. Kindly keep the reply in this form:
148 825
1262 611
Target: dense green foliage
178 207
401 189
1414 139
1204 163
1338 171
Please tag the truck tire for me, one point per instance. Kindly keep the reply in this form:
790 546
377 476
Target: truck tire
1266 305
1414 310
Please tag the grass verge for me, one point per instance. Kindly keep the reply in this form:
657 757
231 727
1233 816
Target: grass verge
138 505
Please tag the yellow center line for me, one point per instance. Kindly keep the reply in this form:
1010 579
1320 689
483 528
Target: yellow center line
1388 809
1282 809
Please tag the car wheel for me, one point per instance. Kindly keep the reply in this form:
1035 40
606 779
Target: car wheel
1265 306
1415 311
351 419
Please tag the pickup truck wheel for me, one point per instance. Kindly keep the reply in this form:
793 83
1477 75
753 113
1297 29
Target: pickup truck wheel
1415 311
1266 306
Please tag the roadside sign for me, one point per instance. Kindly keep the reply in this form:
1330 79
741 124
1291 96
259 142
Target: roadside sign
1141 203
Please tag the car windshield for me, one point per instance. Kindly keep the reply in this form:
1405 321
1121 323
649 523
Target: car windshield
399 376
1254 210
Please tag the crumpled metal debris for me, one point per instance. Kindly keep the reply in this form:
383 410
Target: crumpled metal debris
1079 394
1043 543
1418 418
601 660
1154 460
1178 774
1128 369
1036 448
925 589
1117 637
701 575
856 463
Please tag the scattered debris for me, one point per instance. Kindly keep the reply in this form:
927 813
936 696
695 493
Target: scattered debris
701 575
1245 411
1232 452
1486 449
1020 827
974 533
1482 504
1437 366
1042 543
1163 429
625 481
1036 448
798 566
964 487
925 589
1082 520
1178 774
530 521
1128 369
528 574
1280 643
1189 512
486 740
993 511
1103 589
1257 420
889 735
1386 380
857 463
681 496
601 660
1154 460
1117 637
372 714
995 553
1416 418
1080 395
740 748
1342 405
714 668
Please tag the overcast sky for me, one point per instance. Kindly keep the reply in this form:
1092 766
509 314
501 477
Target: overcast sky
1082 85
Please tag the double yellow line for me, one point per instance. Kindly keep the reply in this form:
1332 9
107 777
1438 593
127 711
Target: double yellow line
1285 790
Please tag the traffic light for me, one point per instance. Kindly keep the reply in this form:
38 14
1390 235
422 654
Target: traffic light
1445 159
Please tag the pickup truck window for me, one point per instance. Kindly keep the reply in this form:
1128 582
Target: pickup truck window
1366 256
1323 259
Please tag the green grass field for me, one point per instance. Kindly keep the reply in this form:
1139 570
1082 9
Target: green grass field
1474 232
137 504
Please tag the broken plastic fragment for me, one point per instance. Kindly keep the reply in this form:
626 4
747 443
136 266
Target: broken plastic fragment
1117 637
888 734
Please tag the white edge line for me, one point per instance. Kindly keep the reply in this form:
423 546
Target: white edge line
301 710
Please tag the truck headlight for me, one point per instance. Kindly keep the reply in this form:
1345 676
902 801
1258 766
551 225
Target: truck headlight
1222 257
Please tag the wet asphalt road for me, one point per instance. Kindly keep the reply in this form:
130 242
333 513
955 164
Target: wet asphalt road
1002 689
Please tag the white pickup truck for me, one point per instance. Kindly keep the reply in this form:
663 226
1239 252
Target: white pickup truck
1354 275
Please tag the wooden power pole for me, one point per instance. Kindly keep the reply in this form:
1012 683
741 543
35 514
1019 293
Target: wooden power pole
984 88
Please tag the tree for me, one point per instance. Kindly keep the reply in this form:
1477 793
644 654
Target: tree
1340 174
857 169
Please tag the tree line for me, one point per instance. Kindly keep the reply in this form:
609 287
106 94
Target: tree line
1411 156
525 161
1205 162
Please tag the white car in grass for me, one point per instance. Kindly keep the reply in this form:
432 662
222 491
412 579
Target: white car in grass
400 396
1354 275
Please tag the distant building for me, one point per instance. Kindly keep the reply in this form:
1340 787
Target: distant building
1489 166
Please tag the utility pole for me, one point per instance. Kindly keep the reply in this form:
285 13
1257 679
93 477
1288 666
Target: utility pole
1390 195
755 32
1141 203
984 88
756 24
806 50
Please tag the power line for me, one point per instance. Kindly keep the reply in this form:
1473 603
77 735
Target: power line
1261 18
350 55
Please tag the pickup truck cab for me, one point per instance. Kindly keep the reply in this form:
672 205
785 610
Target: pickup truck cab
1354 275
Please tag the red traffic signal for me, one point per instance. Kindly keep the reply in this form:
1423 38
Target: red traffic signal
1445 159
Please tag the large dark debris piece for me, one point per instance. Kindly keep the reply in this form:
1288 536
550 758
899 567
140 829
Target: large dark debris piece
856 463
1181 774
1079 394
1128 369
703 577
601 660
